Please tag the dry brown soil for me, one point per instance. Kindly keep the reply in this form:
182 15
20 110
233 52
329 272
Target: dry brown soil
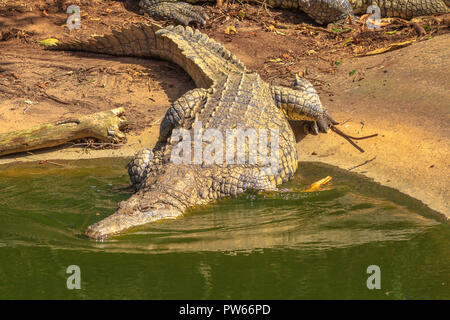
402 95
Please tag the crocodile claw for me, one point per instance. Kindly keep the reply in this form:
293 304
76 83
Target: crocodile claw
321 125
182 12
311 128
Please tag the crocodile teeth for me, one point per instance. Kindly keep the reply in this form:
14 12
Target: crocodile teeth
189 31
211 43
197 35
226 54
179 29
204 38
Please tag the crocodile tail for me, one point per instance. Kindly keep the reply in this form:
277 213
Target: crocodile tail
201 57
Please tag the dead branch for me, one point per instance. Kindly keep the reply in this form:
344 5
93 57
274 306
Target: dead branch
104 126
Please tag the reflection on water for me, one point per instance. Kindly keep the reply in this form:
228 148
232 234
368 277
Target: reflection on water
279 245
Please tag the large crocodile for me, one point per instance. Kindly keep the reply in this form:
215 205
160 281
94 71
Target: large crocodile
228 97
322 11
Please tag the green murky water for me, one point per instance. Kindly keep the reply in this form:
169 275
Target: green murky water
286 246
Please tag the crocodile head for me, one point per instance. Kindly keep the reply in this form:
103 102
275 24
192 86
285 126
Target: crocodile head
131 213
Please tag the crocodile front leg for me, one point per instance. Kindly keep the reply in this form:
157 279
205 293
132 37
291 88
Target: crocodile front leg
182 110
147 162
182 12
303 103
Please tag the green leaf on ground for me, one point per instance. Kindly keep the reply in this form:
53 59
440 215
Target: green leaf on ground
49 42
347 41
352 72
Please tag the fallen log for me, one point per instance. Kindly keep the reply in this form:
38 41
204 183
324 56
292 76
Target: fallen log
104 126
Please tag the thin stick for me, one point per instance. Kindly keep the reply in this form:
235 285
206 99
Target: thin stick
362 164
353 138
349 138
55 98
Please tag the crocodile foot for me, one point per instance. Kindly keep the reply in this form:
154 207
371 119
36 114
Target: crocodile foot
322 120
182 12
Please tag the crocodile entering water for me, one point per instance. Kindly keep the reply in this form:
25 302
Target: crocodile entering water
229 97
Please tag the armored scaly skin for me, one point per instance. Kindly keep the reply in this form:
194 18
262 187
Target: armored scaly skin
322 11
228 97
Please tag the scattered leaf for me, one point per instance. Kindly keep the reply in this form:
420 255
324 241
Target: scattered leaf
358 49
270 28
352 72
338 62
230 30
390 47
363 19
49 42
275 60
386 21
347 41
392 32
316 185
